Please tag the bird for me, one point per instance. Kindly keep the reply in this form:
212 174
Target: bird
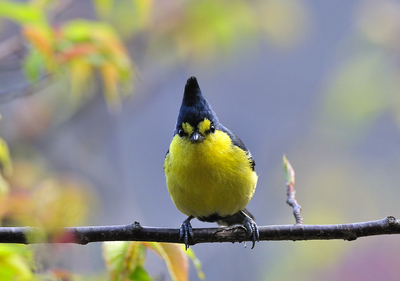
209 171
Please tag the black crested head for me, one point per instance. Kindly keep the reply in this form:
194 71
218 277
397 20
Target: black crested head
194 106
192 94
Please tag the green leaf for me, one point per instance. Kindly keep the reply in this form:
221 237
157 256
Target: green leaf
33 65
114 255
5 159
289 172
196 263
21 12
140 274
123 258
85 30
15 262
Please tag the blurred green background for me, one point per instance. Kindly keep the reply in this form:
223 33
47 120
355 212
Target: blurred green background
315 80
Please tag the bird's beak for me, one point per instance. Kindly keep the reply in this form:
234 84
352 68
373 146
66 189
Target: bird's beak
196 137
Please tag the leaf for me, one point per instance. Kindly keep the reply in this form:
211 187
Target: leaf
6 168
88 31
84 50
33 65
196 262
22 13
114 255
5 159
34 26
111 80
80 75
98 45
123 258
140 274
41 37
15 262
289 172
174 257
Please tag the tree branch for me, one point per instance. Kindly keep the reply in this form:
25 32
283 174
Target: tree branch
136 232
290 191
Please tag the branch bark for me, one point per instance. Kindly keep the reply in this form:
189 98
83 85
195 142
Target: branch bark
136 232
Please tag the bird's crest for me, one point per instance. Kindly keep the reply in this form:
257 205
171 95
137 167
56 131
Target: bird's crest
194 106
192 94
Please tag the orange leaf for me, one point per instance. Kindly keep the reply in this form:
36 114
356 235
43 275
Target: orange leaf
78 50
174 257
40 38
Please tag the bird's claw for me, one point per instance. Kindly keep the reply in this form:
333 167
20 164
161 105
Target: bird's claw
186 232
251 229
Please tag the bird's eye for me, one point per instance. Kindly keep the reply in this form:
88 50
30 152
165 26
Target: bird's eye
181 132
212 127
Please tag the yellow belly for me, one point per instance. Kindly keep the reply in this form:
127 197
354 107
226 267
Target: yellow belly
211 177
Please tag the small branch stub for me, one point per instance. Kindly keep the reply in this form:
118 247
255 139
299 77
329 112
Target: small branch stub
290 191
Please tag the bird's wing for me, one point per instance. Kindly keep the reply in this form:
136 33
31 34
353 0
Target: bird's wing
238 142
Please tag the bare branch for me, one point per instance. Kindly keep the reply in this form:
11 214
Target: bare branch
136 232
10 46
25 89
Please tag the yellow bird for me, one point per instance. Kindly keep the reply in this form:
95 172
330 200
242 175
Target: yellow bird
209 171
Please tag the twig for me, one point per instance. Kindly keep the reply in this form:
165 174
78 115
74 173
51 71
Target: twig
290 191
11 46
136 232
25 89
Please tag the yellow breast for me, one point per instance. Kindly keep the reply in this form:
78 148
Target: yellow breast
210 177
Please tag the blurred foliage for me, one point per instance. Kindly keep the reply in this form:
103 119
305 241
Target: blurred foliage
79 47
125 260
200 31
121 13
39 197
365 84
85 46
16 262
6 167
78 51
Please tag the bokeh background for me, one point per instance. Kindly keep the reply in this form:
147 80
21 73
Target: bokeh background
315 80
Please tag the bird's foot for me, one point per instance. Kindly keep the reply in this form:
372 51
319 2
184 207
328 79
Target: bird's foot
251 229
186 232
